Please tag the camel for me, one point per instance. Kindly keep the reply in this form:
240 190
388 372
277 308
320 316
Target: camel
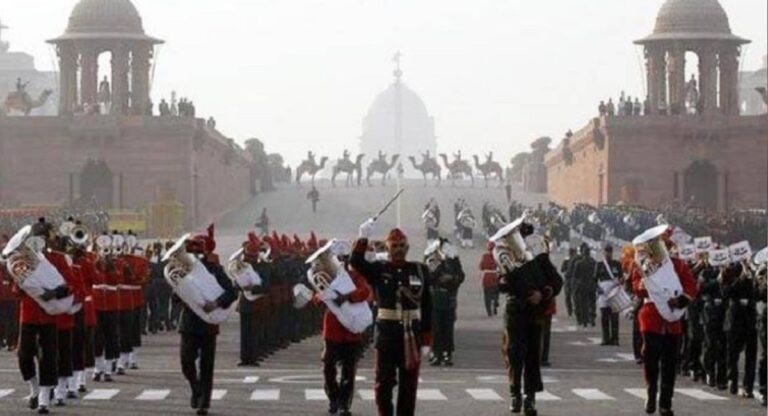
345 165
21 101
428 165
311 168
488 169
381 166
457 169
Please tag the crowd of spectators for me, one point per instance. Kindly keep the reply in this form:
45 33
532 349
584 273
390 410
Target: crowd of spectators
92 216
625 106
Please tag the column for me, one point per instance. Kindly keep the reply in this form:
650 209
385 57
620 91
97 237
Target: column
140 56
656 74
89 73
119 79
676 70
708 80
729 80
67 79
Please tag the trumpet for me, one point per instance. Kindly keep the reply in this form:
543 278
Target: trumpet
118 244
104 245
79 235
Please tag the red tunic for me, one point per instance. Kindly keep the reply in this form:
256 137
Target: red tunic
88 271
140 273
488 271
66 321
649 317
333 330
108 279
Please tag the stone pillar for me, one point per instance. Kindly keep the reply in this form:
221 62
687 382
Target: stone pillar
67 79
120 79
676 70
729 80
656 73
140 79
708 80
89 73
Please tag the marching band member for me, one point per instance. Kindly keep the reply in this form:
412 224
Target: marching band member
341 346
106 301
136 276
85 320
39 338
713 318
198 338
531 282
447 274
403 321
125 277
661 333
490 281
608 274
250 295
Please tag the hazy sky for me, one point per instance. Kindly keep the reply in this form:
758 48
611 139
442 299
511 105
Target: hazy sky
299 74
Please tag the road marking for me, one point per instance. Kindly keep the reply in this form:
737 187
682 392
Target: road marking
626 356
153 395
546 396
218 394
640 393
6 392
315 394
700 394
263 395
595 340
367 394
251 379
484 394
430 394
592 394
101 394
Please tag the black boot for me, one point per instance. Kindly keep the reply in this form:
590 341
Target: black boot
32 402
517 403
448 359
666 412
529 405
194 401
650 402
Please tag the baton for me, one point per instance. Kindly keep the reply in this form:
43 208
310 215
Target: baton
391 201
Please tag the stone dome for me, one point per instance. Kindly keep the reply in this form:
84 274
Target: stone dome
95 16
692 16
692 20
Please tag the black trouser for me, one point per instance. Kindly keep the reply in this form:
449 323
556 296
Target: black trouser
106 340
153 306
125 322
340 392
64 349
585 306
443 322
136 327
522 349
694 340
660 353
38 341
391 371
175 313
745 341
202 347
491 297
637 336
609 322
546 336
9 323
248 333
715 360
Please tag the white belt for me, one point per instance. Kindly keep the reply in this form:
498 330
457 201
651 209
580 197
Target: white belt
105 287
399 315
89 298
129 287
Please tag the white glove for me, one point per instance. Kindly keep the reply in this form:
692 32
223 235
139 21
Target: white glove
426 350
367 228
450 251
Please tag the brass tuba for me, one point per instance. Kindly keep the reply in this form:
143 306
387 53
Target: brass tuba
179 262
21 254
511 250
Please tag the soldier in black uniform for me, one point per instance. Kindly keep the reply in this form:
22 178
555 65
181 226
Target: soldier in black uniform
762 331
531 284
584 288
712 317
198 338
249 330
607 274
565 269
445 267
403 321
694 336
740 326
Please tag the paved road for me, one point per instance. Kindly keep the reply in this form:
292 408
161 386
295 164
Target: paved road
586 379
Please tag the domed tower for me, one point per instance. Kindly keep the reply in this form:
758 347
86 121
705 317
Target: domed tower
701 27
398 123
96 27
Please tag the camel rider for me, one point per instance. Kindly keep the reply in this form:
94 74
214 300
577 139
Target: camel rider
489 157
311 157
382 156
21 86
345 156
427 156
458 156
